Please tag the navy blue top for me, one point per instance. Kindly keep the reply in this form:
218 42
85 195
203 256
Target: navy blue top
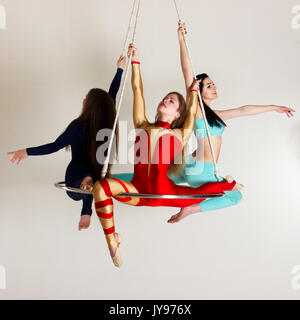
76 136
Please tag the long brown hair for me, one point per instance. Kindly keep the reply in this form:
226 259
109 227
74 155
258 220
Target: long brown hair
98 113
174 168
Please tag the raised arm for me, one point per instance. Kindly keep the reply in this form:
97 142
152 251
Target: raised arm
115 84
192 106
252 110
139 115
186 65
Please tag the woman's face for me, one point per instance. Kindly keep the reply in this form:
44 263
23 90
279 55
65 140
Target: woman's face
209 91
168 107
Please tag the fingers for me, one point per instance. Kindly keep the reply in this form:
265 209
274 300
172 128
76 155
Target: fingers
131 46
289 111
121 62
13 159
131 49
289 114
196 84
16 158
182 27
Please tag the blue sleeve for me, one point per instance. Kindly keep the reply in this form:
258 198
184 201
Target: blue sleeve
62 141
115 85
87 205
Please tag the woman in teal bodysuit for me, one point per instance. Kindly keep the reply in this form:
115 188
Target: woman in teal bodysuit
199 166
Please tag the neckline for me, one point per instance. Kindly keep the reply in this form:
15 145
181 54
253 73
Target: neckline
163 124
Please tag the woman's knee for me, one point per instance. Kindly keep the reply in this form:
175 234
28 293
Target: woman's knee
76 196
97 188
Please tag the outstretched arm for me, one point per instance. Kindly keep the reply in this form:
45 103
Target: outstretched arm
139 115
192 106
186 65
252 110
62 141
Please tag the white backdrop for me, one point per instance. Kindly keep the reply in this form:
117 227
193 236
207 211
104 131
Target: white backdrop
52 53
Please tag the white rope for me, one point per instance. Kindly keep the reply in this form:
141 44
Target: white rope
105 165
201 103
128 30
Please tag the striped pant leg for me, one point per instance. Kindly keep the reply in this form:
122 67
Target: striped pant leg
103 191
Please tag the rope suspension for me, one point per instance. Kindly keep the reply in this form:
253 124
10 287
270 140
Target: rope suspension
201 101
128 29
62 184
105 165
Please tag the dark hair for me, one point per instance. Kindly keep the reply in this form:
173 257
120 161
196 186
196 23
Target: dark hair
212 118
98 113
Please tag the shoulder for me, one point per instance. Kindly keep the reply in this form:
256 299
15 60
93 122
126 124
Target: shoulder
219 113
76 127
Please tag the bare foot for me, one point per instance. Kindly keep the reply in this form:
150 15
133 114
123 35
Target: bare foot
184 212
237 187
84 222
87 184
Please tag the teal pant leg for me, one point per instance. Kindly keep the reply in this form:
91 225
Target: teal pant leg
231 198
196 173
123 176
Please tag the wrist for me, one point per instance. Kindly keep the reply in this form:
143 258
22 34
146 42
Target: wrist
272 107
180 36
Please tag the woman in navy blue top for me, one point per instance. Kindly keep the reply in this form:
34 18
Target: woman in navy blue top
98 112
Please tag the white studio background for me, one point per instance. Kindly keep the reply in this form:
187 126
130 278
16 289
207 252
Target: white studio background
52 52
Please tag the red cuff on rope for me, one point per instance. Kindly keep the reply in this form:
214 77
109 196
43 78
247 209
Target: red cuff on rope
135 62
194 90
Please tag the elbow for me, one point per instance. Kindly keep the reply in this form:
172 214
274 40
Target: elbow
135 85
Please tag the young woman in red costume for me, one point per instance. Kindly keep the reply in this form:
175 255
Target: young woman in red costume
156 146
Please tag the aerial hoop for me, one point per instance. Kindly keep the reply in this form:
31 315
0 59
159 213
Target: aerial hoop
62 185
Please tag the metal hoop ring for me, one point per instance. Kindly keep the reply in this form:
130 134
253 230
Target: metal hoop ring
62 185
